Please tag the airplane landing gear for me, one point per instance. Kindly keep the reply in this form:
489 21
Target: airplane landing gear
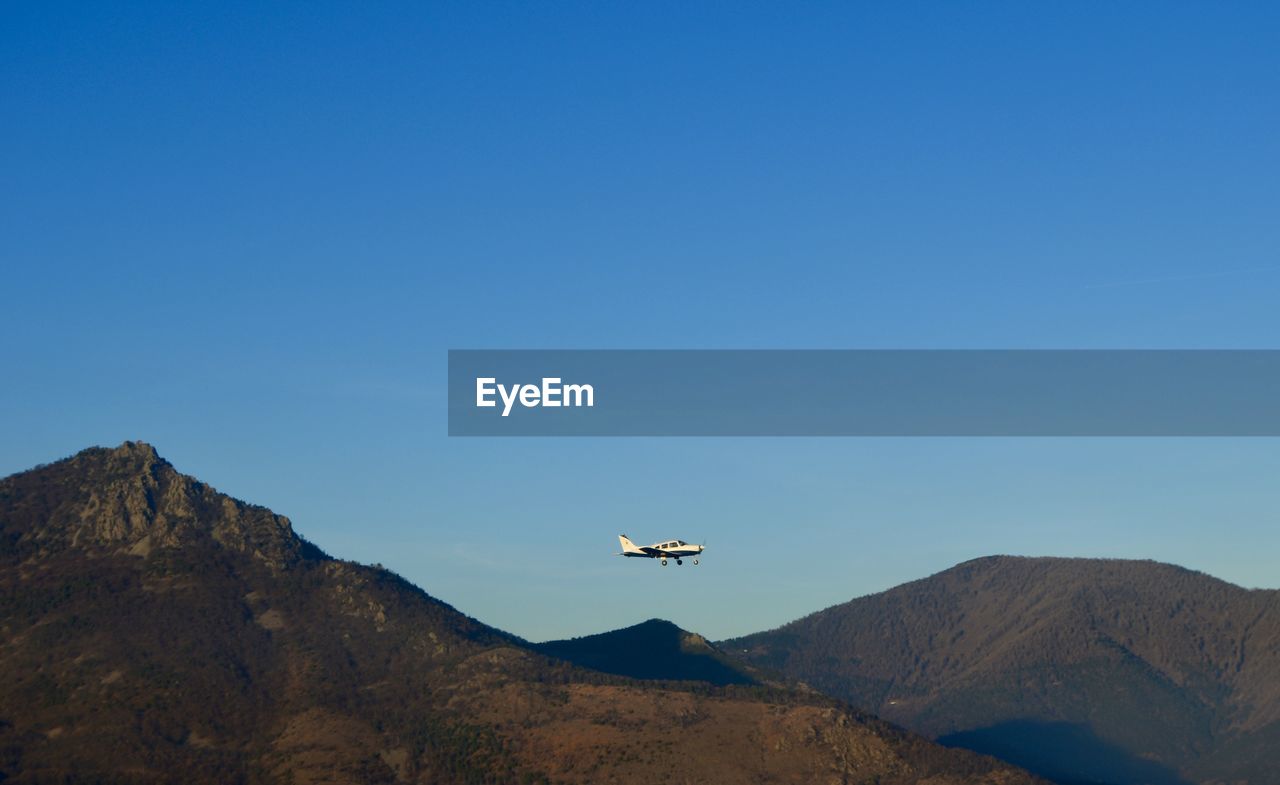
664 562
695 561
679 562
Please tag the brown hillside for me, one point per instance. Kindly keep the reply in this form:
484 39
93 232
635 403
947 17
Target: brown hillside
153 630
1081 669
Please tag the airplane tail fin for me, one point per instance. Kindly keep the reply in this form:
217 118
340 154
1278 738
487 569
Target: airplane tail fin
627 545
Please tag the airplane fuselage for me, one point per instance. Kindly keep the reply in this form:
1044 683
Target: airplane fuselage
668 549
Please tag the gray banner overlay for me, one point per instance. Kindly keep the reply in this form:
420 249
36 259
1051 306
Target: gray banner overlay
864 393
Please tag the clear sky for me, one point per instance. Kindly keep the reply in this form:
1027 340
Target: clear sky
248 234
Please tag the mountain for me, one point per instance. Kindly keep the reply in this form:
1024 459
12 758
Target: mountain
153 630
1078 669
655 649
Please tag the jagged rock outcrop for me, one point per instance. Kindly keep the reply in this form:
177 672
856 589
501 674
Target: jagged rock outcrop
130 499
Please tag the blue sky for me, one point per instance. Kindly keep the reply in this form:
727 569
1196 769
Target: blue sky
250 234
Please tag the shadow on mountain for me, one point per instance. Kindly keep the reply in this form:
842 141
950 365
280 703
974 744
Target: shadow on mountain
654 649
1064 752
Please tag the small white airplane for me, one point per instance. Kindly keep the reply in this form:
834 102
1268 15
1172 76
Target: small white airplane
671 549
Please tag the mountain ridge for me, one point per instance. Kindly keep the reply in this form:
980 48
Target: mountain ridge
154 630
1024 654
654 649
138 500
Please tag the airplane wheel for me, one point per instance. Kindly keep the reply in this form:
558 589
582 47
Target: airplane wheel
679 562
664 562
695 561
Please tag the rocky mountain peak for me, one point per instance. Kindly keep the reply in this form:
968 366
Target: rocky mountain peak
129 499
139 448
